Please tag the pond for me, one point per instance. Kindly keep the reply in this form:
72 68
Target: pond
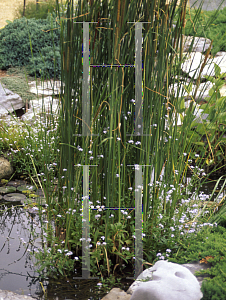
17 266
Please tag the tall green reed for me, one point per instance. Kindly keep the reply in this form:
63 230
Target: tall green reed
112 146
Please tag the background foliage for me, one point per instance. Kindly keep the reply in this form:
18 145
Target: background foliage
212 25
22 34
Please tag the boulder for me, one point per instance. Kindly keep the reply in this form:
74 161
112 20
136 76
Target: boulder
6 170
47 88
118 294
202 92
13 296
9 101
193 65
49 105
14 197
165 280
220 60
200 44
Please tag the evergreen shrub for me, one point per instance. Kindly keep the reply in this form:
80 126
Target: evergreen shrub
16 39
208 246
212 25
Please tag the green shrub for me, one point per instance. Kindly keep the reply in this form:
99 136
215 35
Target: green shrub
39 11
44 63
214 289
209 245
15 46
211 26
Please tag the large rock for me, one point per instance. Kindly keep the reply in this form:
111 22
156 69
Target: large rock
181 91
200 44
194 61
38 107
118 294
193 65
166 280
220 60
46 88
9 101
6 170
7 295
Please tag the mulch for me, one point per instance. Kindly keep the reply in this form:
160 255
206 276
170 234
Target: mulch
3 73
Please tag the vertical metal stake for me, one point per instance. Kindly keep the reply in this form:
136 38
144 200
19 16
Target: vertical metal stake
138 80
85 83
138 222
85 225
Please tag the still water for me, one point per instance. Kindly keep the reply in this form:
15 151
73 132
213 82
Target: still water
17 270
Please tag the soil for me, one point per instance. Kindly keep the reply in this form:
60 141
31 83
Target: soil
8 10
3 74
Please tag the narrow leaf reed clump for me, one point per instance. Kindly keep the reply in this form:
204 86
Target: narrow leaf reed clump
100 151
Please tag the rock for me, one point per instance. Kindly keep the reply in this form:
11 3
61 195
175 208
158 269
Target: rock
202 92
220 60
117 294
26 187
7 189
193 64
28 201
6 170
9 101
197 266
220 53
47 88
35 110
7 295
165 280
200 44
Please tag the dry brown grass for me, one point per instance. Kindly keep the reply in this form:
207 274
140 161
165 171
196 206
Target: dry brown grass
8 9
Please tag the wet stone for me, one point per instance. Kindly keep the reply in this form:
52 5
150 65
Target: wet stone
14 197
41 201
7 189
6 295
33 210
39 192
26 187
15 183
27 201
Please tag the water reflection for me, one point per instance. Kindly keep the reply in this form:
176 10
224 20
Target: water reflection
17 272
19 235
